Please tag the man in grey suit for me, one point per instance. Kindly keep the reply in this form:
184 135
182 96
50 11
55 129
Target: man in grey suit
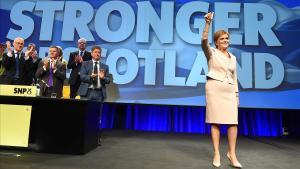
94 76
51 73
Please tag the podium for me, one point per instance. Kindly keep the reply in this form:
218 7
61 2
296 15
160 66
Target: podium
65 126
15 119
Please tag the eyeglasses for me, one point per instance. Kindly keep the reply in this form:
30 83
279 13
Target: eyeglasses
19 43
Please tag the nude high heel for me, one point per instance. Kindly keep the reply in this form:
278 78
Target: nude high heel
236 165
216 163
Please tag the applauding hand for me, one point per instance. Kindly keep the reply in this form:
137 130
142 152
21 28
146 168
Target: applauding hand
30 52
101 73
8 47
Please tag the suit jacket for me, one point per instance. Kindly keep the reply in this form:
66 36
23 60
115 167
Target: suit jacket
76 67
219 67
86 80
25 69
35 67
58 77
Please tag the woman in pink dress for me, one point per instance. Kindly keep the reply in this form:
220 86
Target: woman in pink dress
221 91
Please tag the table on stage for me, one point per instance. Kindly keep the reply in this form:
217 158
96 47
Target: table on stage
67 126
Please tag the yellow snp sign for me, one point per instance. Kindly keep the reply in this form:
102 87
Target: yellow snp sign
14 125
17 90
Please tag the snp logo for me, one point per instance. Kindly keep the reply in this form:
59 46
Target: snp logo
22 91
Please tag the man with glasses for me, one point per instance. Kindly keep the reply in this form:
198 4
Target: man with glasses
18 65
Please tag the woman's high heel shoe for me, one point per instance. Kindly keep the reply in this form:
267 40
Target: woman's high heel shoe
216 163
236 165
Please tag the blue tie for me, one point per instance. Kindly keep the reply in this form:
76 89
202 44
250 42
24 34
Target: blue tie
81 53
17 66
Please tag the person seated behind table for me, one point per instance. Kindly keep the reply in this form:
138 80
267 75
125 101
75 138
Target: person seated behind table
51 74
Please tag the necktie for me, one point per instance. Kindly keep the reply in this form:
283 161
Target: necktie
17 65
50 81
81 53
95 82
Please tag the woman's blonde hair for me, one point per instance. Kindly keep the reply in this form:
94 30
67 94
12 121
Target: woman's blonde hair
218 34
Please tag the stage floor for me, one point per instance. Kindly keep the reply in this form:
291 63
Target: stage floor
123 149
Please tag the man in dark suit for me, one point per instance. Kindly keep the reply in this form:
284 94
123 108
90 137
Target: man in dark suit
35 60
94 76
18 65
51 73
75 61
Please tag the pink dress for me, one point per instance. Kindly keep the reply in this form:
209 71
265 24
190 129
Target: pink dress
221 88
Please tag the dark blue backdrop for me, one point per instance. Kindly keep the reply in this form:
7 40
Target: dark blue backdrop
252 122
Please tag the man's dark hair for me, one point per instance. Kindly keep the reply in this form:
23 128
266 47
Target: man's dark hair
96 47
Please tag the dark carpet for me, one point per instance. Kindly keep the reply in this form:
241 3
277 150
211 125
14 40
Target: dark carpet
123 149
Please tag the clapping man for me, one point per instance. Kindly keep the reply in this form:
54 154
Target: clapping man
52 74
35 60
18 65
94 77
75 62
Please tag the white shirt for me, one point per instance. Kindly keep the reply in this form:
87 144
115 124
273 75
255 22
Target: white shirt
9 54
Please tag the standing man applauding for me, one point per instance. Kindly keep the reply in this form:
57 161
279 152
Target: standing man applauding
75 61
94 78
51 73
18 65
